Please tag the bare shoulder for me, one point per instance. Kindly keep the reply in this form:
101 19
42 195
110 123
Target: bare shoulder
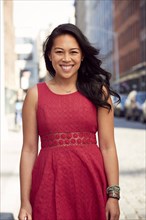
32 96
32 91
106 93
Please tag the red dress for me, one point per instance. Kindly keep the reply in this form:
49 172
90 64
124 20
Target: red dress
68 178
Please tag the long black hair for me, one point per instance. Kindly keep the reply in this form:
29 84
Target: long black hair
92 81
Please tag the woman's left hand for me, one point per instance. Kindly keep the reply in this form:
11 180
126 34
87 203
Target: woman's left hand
112 209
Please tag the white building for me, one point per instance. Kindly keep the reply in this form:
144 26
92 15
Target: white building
27 61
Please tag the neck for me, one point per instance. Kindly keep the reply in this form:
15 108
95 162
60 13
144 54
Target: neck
65 82
66 85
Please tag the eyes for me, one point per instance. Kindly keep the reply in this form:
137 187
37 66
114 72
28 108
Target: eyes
73 52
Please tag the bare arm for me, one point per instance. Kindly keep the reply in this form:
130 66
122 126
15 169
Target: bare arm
107 144
29 148
108 149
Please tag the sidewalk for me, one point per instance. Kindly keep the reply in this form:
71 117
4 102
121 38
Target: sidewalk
10 156
131 153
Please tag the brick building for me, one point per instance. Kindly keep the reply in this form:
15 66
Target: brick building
130 26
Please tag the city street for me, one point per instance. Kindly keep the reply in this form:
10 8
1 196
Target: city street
130 140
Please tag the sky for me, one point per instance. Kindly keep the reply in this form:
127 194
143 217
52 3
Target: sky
39 14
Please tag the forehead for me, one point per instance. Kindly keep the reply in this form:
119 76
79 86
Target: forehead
65 40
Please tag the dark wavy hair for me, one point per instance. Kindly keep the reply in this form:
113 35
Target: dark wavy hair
92 81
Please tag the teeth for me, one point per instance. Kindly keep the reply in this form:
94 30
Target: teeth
66 68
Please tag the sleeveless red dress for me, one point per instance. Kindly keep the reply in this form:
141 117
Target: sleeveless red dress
68 178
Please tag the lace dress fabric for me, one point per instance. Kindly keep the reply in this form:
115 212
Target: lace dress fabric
68 178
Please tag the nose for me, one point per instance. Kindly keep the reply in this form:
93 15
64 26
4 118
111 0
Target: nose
66 57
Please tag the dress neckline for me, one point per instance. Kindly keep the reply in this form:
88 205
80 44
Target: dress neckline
57 94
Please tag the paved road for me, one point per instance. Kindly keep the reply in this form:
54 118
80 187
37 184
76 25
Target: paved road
122 123
130 140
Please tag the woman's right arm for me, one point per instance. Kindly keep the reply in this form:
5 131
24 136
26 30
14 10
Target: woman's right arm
29 151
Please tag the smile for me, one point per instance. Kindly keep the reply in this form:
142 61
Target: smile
66 68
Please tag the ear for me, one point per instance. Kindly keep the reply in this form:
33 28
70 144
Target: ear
50 58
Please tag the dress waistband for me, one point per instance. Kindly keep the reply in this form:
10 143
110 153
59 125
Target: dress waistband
68 139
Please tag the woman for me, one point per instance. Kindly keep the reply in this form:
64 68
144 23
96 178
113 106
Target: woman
72 178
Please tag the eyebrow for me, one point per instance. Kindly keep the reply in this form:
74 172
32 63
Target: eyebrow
56 48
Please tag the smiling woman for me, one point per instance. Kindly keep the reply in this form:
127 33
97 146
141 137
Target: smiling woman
72 178
66 57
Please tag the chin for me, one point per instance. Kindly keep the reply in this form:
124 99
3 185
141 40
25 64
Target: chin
68 75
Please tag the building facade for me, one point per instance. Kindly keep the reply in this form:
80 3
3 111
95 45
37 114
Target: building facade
41 37
95 20
27 61
105 37
118 29
129 24
9 57
81 15
143 30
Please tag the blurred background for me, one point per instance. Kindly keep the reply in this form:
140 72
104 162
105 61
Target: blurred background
118 29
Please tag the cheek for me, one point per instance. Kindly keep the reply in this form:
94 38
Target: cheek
54 60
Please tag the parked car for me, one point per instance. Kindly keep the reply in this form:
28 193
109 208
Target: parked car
119 109
143 113
133 104
138 110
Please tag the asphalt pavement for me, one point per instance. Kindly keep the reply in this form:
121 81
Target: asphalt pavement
130 140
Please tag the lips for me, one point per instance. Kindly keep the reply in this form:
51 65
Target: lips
66 68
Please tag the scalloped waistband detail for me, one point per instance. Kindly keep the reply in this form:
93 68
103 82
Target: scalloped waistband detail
68 139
